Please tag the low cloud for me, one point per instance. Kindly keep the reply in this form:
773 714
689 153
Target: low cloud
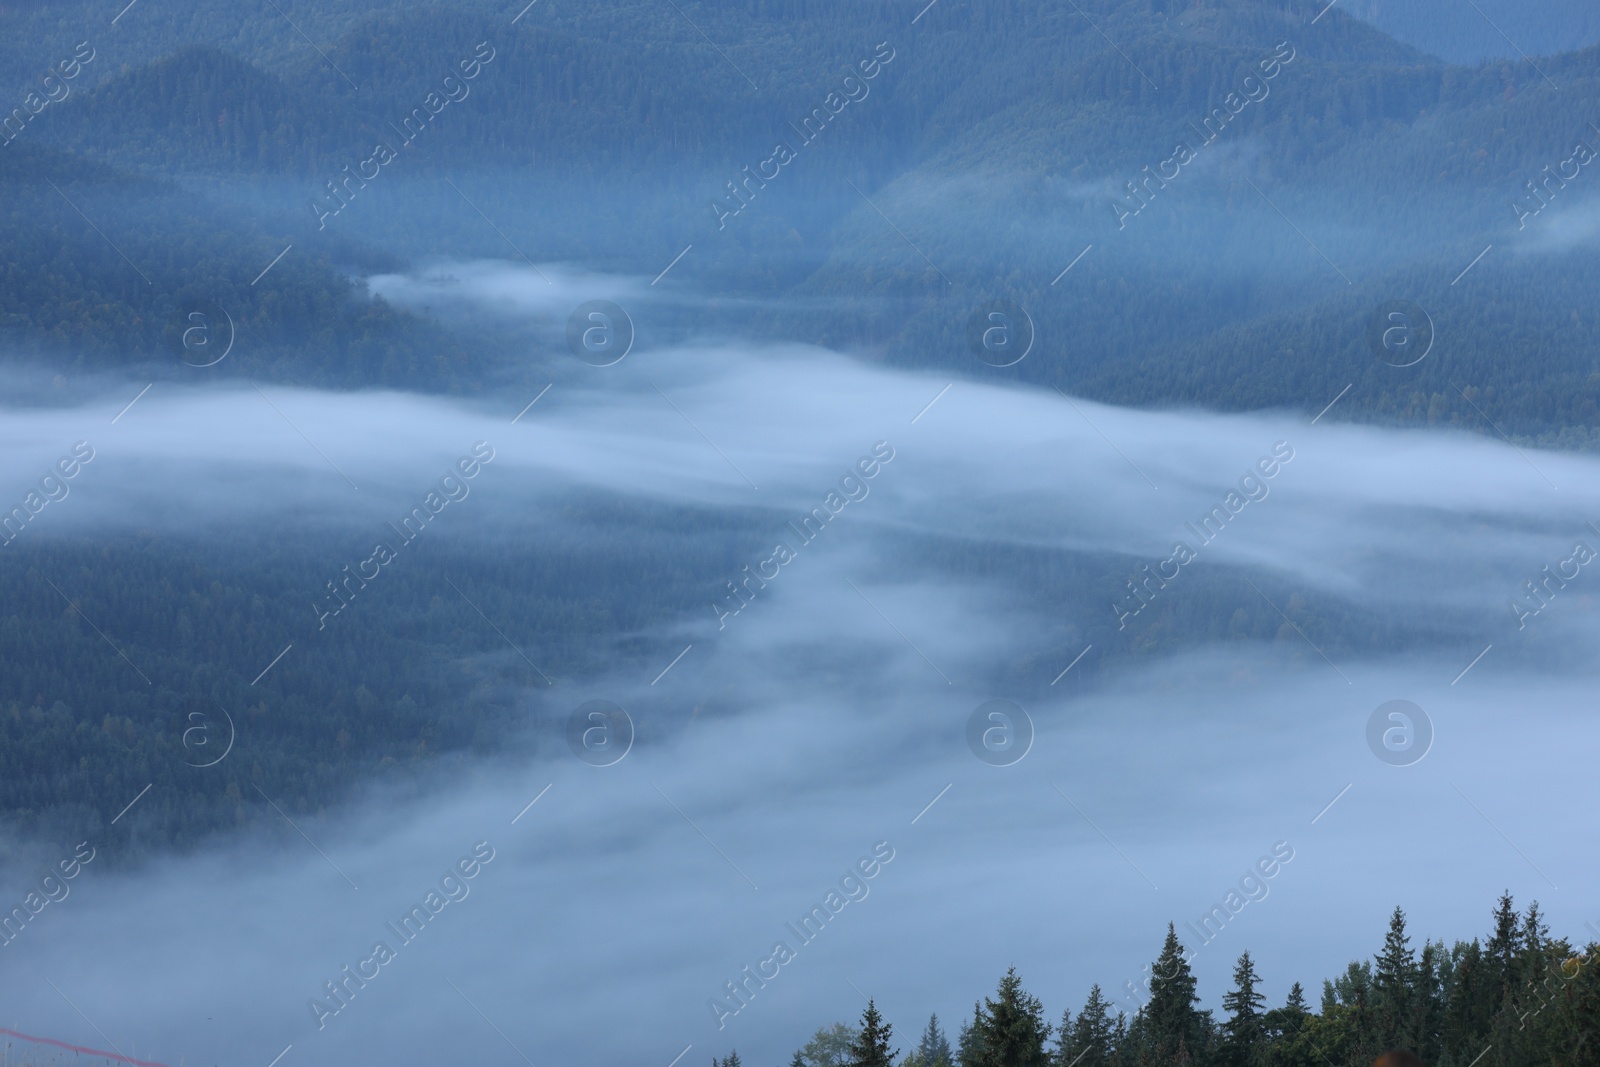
834 715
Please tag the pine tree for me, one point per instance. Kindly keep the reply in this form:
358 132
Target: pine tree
1011 1027
1297 1000
1243 1031
871 1046
934 1050
1175 1031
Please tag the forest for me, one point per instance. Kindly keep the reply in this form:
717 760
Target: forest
1517 997
172 175
411 676
199 164
405 223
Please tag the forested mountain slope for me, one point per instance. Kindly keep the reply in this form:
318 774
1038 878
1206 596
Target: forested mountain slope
205 156
1000 139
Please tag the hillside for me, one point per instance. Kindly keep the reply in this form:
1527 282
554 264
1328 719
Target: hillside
1367 171
1327 170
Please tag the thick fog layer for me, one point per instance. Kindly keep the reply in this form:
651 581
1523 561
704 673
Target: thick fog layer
1396 518
646 885
567 896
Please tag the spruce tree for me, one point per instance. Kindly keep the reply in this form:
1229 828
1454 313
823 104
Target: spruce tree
1011 1027
934 1050
969 1041
1243 1030
1091 1041
1394 980
1419 1032
1505 944
1066 1052
1176 1032
871 1046
1395 966
1498 981
1535 934
1519 1031
1485 979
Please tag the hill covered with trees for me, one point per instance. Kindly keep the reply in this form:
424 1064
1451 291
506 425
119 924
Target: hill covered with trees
999 141
989 155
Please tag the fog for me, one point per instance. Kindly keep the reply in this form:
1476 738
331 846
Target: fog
602 898
1156 776
693 529
766 431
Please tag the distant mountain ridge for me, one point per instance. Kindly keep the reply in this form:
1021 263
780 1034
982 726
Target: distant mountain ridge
1501 29
1005 138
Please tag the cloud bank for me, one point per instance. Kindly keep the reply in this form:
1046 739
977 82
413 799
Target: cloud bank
829 720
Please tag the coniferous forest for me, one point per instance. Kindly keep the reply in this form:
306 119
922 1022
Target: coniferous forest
1514 997
502 501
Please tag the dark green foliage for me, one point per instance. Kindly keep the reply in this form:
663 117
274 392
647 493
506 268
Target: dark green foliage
1287 1035
1170 1028
1010 1030
871 1045
96 268
1092 1039
1395 986
969 1042
1431 1003
408 676
1243 1032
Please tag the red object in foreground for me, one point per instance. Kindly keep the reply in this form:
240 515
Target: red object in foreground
80 1048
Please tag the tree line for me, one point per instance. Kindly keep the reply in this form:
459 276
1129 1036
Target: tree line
1516 997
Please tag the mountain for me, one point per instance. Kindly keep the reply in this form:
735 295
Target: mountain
1005 136
99 268
1195 203
1496 29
